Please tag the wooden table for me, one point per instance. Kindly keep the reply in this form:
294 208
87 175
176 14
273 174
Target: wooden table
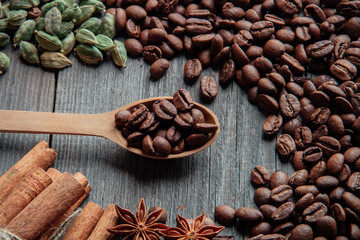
218 175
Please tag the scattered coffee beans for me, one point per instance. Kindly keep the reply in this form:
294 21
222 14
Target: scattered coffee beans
165 127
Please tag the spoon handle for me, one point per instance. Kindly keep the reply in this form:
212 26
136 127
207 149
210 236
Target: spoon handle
49 123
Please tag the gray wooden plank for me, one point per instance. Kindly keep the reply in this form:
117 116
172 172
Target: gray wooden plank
23 87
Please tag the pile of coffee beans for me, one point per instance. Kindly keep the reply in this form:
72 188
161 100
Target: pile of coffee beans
320 204
165 127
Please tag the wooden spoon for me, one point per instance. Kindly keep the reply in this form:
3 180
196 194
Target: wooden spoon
100 125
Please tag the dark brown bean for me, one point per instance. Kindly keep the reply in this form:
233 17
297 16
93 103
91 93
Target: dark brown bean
250 215
225 214
208 87
192 69
159 68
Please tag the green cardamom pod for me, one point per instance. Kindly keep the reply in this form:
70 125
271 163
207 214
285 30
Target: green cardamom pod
89 53
3 25
2 12
4 39
54 60
100 7
40 24
69 3
71 13
5 10
65 28
25 32
21 4
105 43
53 20
29 52
119 54
60 4
68 43
107 26
47 41
4 62
86 12
16 17
92 24
86 36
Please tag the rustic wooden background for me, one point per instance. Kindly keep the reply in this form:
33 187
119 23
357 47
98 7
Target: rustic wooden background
218 175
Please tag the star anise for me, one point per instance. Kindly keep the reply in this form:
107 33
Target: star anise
140 226
195 231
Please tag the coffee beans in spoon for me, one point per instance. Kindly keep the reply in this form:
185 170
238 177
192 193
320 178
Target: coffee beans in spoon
166 127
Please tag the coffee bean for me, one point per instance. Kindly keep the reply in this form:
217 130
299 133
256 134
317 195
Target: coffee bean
272 124
227 72
147 145
250 74
343 70
184 121
206 127
260 176
135 139
278 178
336 194
314 212
291 126
167 51
302 190
318 170
182 100
344 173
177 19
351 155
208 87
151 53
327 182
262 196
222 56
326 226
285 35
303 137
196 139
205 58
283 228
133 47
159 68
276 20
281 193
299 178
135 13
354 231
353 184
178 147
293 64
149 124
338 213
335 164
262 29
285 211
197 115
164 110
289 7
202 40
322 48
249 215
304 202
225 214
261 228
192 69
302 232
328 145
196 26
289 105
239 55
267 210
132 29
285 145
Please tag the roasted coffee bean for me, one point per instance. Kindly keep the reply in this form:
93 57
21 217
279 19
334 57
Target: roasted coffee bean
299 178
320 116
327 182
272 124
260 176
135 139
289 7
302 34
208 87
289 105
252 16
267 210
184 121
206 127
177 19
285 145
351 216
354 231
335 195
321 48
352 201
283 228
335 164
320 131
344 173
197 115
304 202
132 29
178 147
338 213
343 70
326 226
276 20
164 110
227 72
159 68
249 215
182 100
278 178
217 43
227 36
352 155
314 212
239 55
312 154
196 26
205 57
173 135
151 53
230 11
353 184
302 232
293 64
262 29
135 13
192 69
196 139
225 214
318 170
202 40
222 56
149 124
138 115
262 196
281 193
274 49
291 126
133 47
147 145
303 137
328 145
261 228
302 190
315 12
298 161
285 35
250 74
285 211
156 35
121 118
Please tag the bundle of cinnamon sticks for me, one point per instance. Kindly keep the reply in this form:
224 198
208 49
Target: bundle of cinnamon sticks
36 200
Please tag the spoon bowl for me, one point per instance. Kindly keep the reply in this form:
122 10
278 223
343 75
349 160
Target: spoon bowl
100 125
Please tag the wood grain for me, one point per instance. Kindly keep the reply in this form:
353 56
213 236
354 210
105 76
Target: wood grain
218 175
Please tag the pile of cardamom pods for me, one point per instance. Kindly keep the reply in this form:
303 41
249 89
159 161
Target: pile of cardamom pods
47 31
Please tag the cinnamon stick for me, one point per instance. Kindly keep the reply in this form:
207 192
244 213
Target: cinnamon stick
107 220
53 173
49 205
29 187
40 156
57 223
85 222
